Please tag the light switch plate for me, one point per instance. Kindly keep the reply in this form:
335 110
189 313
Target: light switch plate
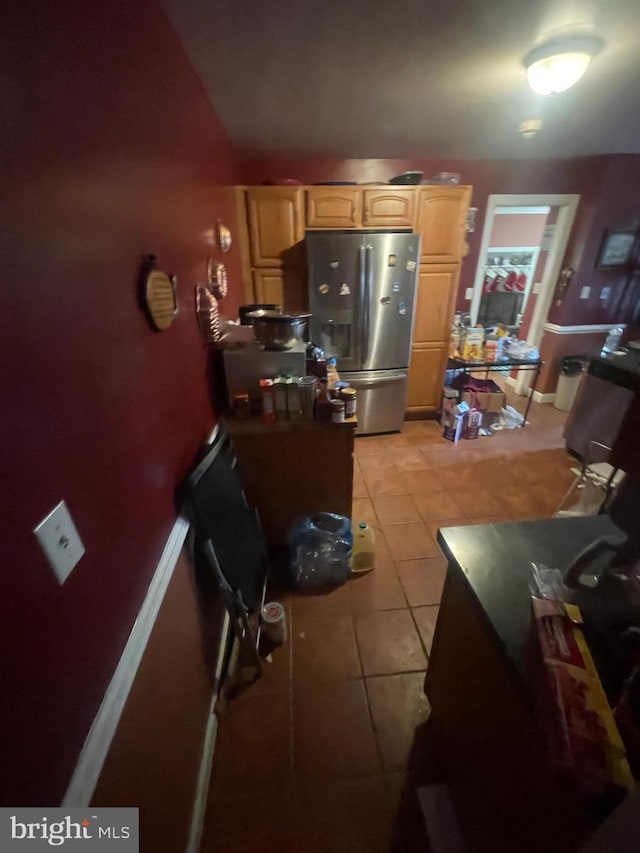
60 541
537 287
584 293
468 294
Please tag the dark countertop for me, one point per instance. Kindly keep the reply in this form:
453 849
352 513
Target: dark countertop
623 370
495 560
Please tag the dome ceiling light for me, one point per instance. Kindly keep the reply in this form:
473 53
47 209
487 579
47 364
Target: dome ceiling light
557 65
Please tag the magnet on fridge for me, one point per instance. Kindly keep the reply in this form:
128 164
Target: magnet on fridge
385 300
402 308
395 287
334 265
345 290
323 289
411 265
392 261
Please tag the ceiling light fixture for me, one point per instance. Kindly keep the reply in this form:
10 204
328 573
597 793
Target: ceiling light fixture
557 65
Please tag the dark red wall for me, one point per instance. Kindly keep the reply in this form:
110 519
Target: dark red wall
111 151
488 177
616 205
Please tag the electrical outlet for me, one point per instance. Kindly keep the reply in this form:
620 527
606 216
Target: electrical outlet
584 293
60 541
605 293
537 287
468 294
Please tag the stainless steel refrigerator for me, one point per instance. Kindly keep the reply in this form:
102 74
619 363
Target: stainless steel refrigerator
362 290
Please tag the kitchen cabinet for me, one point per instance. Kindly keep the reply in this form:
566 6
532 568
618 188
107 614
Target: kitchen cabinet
434 303
389 208
334 207
294 468
275 217
268 286
441 222
274 256
426 373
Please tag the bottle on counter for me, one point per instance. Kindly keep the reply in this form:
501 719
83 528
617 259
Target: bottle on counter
349 395
337 410
280 397
268 404
294 402
322 408
308 387
332 373
613 340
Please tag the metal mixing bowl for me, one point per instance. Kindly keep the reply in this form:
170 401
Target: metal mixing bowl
278 331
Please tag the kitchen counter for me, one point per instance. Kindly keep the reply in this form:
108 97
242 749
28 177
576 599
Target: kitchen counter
622 370
294 467
480 688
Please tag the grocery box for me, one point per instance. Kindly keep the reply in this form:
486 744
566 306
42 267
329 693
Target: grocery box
491 400
473 349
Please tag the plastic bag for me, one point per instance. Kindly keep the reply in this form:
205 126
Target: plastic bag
547 583
320 548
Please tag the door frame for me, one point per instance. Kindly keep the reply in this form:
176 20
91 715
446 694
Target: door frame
567 205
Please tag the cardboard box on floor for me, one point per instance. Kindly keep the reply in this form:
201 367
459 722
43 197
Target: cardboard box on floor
491 401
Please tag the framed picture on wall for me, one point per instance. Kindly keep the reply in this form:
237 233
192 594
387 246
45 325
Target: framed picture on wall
616 249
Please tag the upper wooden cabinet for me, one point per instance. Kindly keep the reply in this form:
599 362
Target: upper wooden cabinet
334 207
434 303
276 222
389 208
441 218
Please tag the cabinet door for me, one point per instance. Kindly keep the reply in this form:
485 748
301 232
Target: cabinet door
268 286
389 208
426 375
434 303
334 207
441 221
276 223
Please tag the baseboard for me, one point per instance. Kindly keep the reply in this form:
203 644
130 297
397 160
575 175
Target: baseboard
555 329
208 750
539 397
98 741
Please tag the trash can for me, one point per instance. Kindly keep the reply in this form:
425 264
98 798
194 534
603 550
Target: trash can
570 370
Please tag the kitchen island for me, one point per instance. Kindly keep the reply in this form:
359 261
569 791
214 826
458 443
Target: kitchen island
294 467
481 690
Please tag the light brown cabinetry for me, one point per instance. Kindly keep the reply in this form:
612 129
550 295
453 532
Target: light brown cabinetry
389 208
275 219
267 286
441 221
334 207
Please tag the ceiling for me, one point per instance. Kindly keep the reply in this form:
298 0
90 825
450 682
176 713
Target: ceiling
410 78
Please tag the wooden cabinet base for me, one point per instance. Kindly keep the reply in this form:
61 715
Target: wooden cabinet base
294 468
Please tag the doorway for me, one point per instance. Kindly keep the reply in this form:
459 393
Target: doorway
526 279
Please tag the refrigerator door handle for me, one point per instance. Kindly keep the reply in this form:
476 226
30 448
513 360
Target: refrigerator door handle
370 381
366 303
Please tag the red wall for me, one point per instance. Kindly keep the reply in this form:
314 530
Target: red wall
580 175
113 152
616 205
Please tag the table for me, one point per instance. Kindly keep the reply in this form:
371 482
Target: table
505 792
511 363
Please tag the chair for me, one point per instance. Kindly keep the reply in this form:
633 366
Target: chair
597 481
229 537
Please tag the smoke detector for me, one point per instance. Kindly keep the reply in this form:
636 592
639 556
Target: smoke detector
530 127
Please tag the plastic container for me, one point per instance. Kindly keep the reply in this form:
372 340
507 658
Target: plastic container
332 372
308 386
613 340
274 623
268 406
364 549
570 371
337 411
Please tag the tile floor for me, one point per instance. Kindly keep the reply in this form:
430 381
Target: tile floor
325 752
